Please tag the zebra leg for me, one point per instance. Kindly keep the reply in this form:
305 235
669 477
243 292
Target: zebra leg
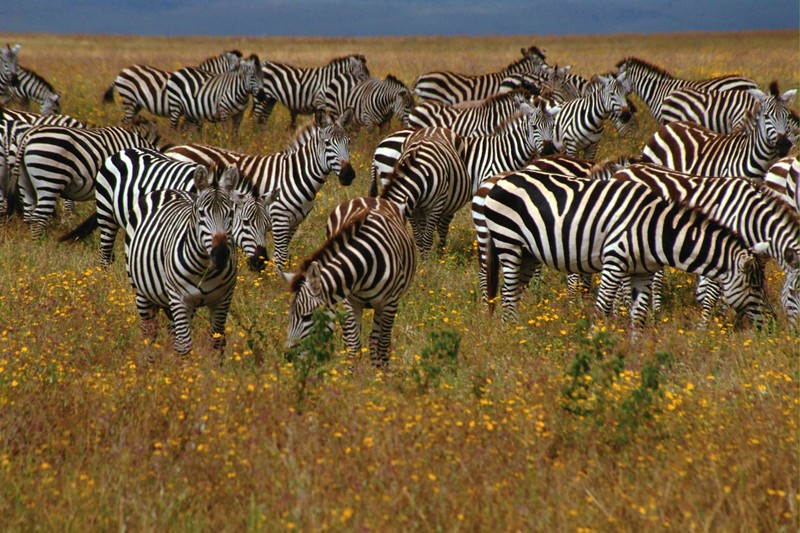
181 322
623 297
108 237
443 228
641 288
41 214
130 111
710 299
148 313
529 268
610 281
283 230
590 152
351 329
218 315
658 287
510 262
573 282
380 339
68 206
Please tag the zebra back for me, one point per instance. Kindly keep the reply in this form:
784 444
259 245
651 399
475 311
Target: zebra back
373 100
227 61
31 86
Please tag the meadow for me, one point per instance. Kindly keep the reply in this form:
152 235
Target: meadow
544 425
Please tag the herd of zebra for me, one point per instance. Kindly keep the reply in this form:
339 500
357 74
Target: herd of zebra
715 191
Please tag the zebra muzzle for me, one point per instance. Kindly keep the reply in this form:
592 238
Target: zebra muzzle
220 251
260 96
548 148
783 145
625 116
346 174
258 262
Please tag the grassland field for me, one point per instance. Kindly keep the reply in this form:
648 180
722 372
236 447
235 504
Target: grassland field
543 425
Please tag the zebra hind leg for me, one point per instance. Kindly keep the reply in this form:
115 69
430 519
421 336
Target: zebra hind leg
380 338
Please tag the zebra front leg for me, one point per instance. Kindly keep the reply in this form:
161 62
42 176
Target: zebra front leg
590 152
41 214
641 288
148 314
218 313
351 329
658 288
610 282
380 338
283 229
510 261
181 323
710 296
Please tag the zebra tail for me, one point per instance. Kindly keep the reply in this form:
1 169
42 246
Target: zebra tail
108 96
83 230
492 274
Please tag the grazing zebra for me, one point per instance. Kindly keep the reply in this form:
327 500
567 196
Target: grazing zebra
526 135
368 261
297 88
652 84
750 209
145 87
557 83
747 152
373 100
297 174
56 161
13 125
784 179
133 172
622 229
479 119
453 88
178 258
723 111
579 126
31 86
9 67
430 179
201 96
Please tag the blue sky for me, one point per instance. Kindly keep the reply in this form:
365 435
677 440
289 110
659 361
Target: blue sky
341 18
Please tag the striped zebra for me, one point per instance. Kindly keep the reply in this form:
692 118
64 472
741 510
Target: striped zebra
557 83
367 262
31 86
750 209
130 173
178 258
453 88
374 100
13 125
580 124
652 84
56 161
200 96
623 230
432 182
723 111
145 87
468 120
526 135
9 67
747 152
297 174
783 178
296 88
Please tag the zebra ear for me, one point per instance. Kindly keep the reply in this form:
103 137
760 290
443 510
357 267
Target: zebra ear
758 94
229 179
288 276
787 96
553 111
345 117
201 177
791 257
314 280
239 198
760 248
271 196
16 49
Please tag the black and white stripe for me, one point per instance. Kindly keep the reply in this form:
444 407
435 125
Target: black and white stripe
296 174
199 96
747 152
179 258
374 101
432 182
623 230
56 161
9 67
31 86
454 88
555 82
783 178
724 111
367 262
297 87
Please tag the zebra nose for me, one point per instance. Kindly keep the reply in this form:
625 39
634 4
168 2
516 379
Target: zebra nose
346 174
258 261
783 145
260 96
14 80
626 115
220 251
548 148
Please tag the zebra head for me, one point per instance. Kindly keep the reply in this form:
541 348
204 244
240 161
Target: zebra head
790 297
250 68
308 295
357 67
743 286
251 222
540 122
9 65
777 117
336 143
52 105
213 214
614 92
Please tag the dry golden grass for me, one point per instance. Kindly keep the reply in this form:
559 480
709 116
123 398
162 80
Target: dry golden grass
93 438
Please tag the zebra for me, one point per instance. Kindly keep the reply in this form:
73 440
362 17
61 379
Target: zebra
201 96
56 161
748 152
432 182
557 83
622 229
13 125
722 111
178 258
9 67
297 88
479 119
526 135
31 86
373 100
579 126
368 261
652 84
297 173
453 88
783 178
145 87
130 173
751 209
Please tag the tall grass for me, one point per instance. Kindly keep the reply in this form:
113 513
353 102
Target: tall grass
92 436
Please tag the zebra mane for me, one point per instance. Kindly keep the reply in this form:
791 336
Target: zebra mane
507 123
345 59
339 238
535 50
301 136
645 65
39 79
395 81
749 122
495 98
773 88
